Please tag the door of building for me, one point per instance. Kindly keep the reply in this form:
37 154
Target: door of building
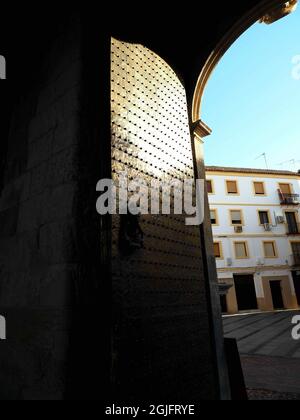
276 291
296 278
245 293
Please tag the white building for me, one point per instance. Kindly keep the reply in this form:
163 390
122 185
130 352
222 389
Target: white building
255 220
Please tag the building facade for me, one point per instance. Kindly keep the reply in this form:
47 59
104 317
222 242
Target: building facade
256 229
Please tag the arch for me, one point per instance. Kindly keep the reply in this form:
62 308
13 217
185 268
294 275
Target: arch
267 11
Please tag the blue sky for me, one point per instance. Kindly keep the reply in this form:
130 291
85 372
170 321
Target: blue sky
252 102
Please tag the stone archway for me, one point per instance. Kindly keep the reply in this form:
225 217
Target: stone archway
267 11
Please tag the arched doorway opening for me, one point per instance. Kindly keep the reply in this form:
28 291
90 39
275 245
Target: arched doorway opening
264 291
264 10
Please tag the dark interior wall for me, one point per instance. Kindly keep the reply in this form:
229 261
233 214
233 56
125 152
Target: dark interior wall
38 250
55 287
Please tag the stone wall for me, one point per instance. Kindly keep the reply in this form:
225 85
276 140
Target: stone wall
38 245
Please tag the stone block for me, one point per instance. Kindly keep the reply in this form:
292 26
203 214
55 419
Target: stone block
66 134
58 286
9 222
16 160
13 290
15 192
40 150
32 214
67 105
42 123
63 167
54 204
60 202
39 178
19 253
64 51
46 98
58 243
55 89
68 79
35 369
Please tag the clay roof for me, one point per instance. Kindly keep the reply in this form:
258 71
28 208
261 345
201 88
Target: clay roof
251 171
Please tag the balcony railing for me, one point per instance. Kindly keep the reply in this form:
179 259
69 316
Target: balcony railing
289 199
293 229
296 259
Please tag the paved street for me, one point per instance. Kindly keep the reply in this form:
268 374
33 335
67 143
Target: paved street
270 357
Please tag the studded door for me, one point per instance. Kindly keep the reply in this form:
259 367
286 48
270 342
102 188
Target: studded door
161 331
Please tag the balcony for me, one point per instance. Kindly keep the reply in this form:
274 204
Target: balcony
292 229
296 259
289 199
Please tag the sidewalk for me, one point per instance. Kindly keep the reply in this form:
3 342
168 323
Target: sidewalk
269 355
272 373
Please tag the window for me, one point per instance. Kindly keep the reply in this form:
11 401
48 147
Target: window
241 250
264 217
285 188
292 222
259 188
296 249
232 187
218 250
214 217
236 217
210 186
270 249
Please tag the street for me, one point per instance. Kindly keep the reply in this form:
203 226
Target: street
270 356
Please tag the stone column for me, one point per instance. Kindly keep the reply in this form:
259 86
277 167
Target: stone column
199 131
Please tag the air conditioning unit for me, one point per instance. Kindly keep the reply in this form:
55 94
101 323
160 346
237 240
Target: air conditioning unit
268 227
280 220
229 262
238 229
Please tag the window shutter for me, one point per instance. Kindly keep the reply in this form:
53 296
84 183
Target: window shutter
232 187
217 250
241 250
270 251
259 188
